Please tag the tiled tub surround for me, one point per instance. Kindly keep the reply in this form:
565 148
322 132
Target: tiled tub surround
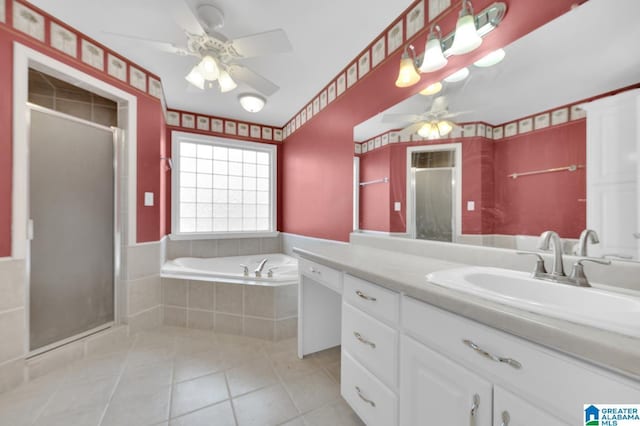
141 302
175 376
250 310
222 247
13 331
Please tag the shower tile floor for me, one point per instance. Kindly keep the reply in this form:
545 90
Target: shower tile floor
177 376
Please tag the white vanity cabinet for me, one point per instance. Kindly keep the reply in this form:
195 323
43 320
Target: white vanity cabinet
437 391
370 342
510 410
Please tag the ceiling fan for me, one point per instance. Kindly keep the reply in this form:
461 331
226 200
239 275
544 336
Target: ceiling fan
432 124
218 56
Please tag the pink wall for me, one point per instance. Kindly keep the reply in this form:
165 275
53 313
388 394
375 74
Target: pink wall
532 204
317 186
150 136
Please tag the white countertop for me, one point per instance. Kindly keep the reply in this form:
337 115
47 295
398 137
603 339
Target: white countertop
406 273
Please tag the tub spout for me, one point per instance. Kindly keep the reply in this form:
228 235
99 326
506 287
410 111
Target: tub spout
260 267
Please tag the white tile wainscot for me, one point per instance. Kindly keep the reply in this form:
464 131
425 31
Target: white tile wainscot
405 360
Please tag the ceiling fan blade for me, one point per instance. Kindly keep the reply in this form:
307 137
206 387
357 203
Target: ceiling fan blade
262 44
397 118
184 16
243 74
162 46
410 130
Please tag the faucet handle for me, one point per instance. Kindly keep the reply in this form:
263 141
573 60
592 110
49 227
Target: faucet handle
246 269
577 273
540 269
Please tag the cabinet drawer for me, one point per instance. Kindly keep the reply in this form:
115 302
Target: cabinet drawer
322 274
371 298
371 342
369 398
545 378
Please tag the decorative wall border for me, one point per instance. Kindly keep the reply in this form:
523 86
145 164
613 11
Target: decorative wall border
48 31
220 126
409 25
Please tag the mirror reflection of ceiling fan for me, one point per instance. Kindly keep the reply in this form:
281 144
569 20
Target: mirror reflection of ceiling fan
432 124
218 64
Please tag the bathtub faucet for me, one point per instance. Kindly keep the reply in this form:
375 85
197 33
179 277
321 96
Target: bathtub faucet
260 267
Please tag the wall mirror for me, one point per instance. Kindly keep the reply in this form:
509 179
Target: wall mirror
515 162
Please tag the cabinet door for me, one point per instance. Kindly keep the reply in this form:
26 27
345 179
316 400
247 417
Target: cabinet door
509 410
437 391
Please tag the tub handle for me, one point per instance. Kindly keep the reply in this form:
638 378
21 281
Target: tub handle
270 271
246 269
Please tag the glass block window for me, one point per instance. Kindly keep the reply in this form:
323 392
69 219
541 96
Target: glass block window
222 186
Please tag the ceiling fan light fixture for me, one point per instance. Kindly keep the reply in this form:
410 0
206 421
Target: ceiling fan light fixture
226 82
490 59
196 78
466 37
251 102
457 76
407 75
209 68
432 89
433 56
444 127
427 130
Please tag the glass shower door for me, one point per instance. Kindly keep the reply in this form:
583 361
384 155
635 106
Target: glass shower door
434 204
71 195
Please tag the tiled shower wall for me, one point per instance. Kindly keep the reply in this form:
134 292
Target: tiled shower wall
13 332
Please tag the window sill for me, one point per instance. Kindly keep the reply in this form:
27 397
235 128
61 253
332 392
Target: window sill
223 236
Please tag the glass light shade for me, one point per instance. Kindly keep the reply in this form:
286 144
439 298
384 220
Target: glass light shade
491 59
427 130
432 89
196 78
466 37
459 75
226 82
209 68
407 76
433 57
252 103
444 127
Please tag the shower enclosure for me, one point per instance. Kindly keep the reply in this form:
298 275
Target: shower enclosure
73 230
433 180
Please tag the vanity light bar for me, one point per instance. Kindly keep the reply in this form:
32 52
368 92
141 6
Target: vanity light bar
486 21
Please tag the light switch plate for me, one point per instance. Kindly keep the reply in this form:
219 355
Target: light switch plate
397 206
148 198
471 206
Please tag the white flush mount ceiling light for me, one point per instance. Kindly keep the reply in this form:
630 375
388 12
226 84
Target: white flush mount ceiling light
432 89
466 38
252 103
457 76
433 57
490 59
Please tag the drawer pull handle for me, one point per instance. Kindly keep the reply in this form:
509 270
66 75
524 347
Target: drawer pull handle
314 271
362 397
363 340
474 407
365 297
509 361
506 418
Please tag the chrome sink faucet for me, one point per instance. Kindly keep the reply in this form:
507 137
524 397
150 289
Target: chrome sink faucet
551 240
587 236
258 270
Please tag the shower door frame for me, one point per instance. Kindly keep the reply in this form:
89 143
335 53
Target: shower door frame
117 142
23 59
457 193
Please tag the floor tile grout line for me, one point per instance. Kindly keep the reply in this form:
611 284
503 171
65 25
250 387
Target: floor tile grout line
136 337
233 408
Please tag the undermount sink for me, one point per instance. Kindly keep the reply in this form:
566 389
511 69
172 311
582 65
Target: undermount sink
590 306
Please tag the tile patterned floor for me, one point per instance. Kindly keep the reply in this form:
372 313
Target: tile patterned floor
180 377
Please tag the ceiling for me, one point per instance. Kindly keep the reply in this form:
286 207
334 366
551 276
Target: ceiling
326 35
586 52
